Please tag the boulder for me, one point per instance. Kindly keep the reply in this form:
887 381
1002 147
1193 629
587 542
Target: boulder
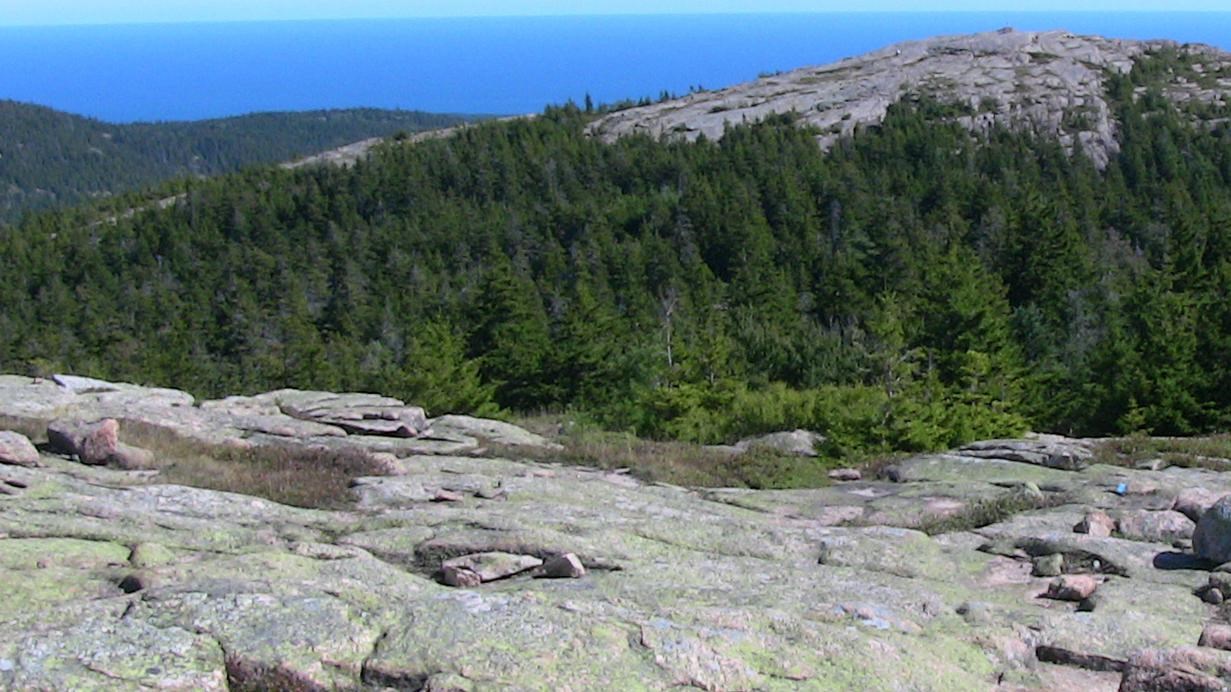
131 458
1212 537
1185 669
798 442
566 566
444 495
491 431
93 443
492 565
17 450
1048 565
1097 523
845 475
1216 635
1073 587
1154 527
1193 502
1051 451
459 577
84 385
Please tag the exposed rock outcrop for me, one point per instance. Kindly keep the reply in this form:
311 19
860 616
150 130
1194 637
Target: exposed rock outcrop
1052 82
114 580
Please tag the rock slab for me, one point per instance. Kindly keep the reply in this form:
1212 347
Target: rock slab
17 450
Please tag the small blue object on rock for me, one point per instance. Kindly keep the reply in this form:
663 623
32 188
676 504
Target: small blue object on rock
1122 489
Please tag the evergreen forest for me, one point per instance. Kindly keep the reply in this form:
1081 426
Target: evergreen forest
913 288
50 158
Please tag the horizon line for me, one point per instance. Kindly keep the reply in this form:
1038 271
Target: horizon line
596 15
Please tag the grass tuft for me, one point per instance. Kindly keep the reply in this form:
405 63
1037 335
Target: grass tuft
1210 452
310 477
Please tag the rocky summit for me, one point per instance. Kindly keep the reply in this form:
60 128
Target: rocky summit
465 564
1051 82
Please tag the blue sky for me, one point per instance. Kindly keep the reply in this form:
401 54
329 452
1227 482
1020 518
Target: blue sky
38 12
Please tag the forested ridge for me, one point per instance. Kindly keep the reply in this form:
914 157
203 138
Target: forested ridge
50 158
913 288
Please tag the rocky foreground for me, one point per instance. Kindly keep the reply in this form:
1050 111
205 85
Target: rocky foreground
1052 82
457 570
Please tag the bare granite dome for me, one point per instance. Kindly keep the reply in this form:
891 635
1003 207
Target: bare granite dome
1030 80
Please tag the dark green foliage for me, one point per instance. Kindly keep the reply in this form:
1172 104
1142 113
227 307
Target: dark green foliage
912 289
49 158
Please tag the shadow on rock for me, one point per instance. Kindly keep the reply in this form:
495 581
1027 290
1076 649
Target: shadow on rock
1172 560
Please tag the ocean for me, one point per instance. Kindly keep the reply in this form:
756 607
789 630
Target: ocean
478 65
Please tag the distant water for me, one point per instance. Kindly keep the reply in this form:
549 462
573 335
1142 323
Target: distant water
491 65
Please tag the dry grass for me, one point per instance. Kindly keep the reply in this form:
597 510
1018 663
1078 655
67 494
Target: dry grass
990 511
312 477
1211 452
679 463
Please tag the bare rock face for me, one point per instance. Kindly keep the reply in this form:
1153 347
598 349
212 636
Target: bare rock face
1051 81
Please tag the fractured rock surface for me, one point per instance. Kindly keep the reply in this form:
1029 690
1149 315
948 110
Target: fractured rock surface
115 581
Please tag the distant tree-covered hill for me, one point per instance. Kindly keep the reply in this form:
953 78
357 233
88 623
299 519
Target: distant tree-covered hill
50 158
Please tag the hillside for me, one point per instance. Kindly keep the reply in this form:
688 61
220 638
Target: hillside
50 158
1052 82
914 287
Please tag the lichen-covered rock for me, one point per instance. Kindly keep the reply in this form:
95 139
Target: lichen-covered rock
1048 565
493 565
820 588
151 555
17 450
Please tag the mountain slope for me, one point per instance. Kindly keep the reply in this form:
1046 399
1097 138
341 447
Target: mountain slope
50 158
1051 82
916 286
